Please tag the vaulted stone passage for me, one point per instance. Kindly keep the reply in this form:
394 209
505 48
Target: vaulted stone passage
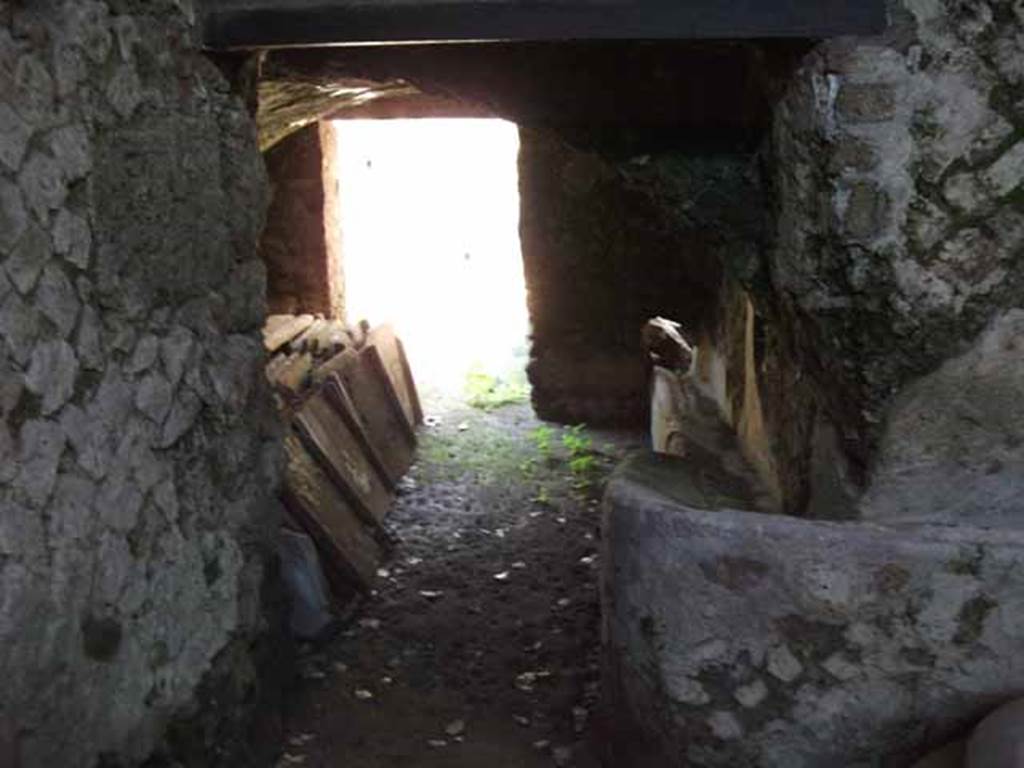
826 576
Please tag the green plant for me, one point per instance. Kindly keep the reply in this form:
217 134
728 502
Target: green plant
527 467
541 437
487 392
577 443
582 461
582 465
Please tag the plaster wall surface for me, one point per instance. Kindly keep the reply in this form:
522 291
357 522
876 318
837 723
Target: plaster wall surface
137 449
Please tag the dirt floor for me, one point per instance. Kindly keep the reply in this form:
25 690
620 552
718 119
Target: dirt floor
480 645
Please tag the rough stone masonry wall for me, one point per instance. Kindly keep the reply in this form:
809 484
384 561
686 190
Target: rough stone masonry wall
137 453
893 293
898 164
609 242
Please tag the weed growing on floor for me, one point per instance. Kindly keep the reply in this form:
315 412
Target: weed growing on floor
541 437
577 442
483 452
582 461
487 392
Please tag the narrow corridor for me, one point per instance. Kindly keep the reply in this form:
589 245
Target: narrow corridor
480 644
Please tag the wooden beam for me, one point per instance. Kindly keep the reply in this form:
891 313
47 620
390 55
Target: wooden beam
247 24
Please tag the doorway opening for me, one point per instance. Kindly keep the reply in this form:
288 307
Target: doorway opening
428 213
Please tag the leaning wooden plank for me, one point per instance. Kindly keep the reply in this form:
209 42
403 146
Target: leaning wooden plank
331 441
339 398
282 332
392 355
343 539
377 410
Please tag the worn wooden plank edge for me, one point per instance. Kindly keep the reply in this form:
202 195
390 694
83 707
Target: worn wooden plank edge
284 332
380 371
414 394
342 484
340 573
339 399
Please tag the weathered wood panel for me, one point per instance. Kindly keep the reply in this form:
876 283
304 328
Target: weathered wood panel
378 410
396 366
333 443
344 540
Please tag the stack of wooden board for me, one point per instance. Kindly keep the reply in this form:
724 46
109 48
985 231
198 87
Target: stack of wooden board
352 410
297 344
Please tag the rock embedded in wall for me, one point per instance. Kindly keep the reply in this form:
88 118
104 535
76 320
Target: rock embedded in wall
138 448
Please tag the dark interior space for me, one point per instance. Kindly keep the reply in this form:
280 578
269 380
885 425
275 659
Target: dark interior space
755 499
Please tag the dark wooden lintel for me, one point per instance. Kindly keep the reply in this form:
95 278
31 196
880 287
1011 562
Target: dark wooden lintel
248 24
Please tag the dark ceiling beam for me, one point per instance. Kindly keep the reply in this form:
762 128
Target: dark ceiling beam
250 24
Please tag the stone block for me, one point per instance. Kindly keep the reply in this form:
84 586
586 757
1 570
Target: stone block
853 154
14 136
11 385
865 210
144 355
34 89
871 642
865 102
28 258
1006 173
43 184
70 147
124 91
42 444
72 238
175 349
89 340
183 414
13 216
19 327
51 374
57 300
154 397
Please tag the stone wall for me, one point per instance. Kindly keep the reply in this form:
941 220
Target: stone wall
609 242
301 243
888 374
899 244
137 450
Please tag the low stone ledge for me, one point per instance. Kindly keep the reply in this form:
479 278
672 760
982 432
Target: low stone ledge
736 638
